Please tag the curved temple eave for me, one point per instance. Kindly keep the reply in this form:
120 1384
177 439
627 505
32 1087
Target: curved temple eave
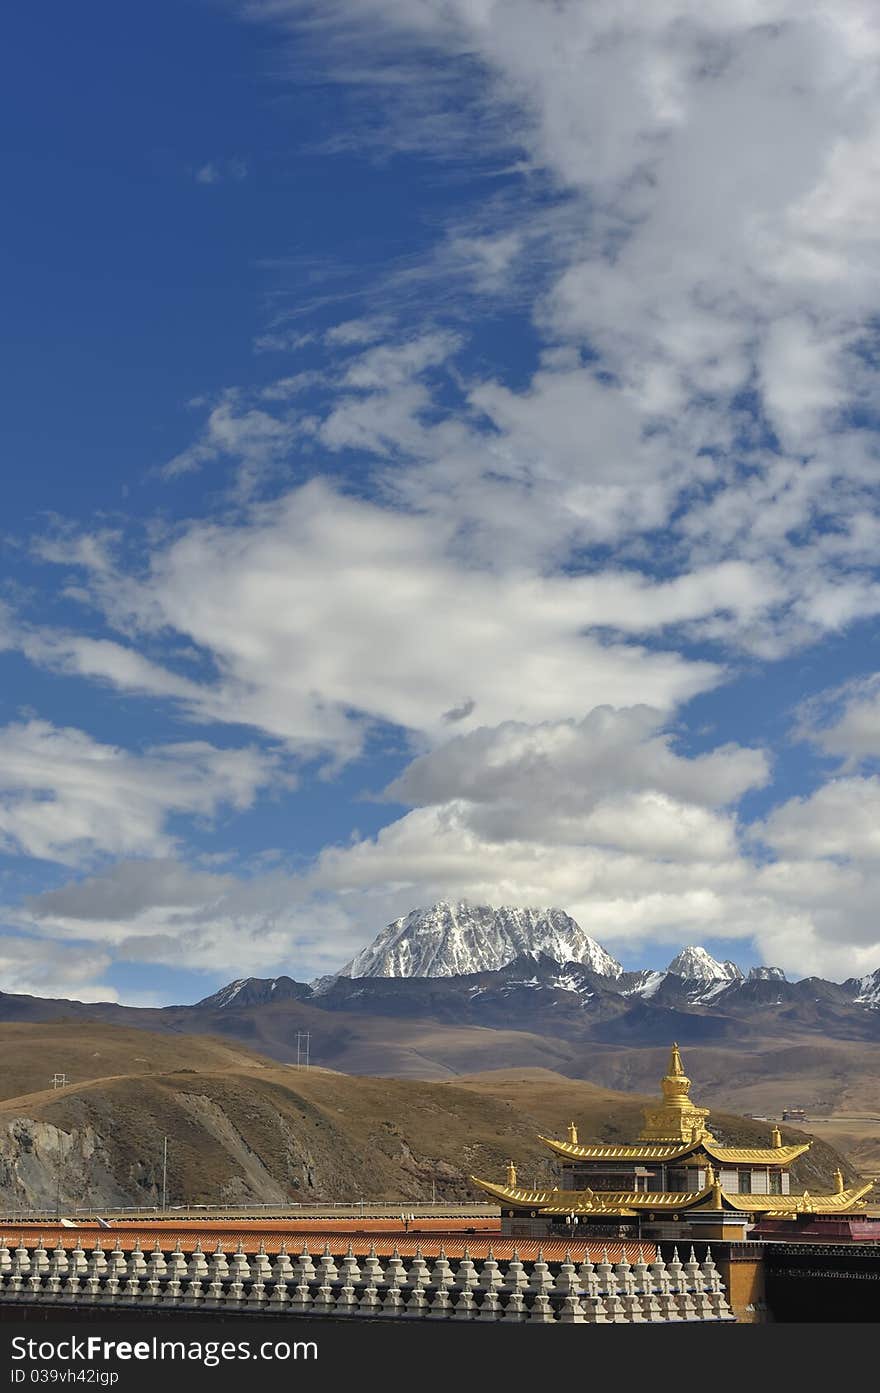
608 1151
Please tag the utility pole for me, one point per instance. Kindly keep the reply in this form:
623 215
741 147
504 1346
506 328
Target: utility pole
303 1042
164 1173
58 1177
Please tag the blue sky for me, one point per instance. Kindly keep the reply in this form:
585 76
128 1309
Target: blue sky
441 462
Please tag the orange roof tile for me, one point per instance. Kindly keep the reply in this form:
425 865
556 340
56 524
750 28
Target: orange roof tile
453 1242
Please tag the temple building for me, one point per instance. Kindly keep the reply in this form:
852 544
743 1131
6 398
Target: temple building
675 1181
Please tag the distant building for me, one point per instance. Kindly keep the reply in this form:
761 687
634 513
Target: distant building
675 1181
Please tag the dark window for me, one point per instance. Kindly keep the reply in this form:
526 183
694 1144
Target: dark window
745 1182
776 1182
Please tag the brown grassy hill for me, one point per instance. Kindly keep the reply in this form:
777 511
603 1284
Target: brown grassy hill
358 1044
758 1075
245 1128
33 1053
765 1065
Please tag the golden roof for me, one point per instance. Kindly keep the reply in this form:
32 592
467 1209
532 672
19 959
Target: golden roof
672 1151
607 1151
586 1201
528 1199
764 1155
786 1206
623 1202
626 1201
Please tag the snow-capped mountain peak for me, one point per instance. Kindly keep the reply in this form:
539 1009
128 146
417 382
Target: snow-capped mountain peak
449 940
767 974
696 965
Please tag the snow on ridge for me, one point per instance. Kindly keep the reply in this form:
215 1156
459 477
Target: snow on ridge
568 982
450 940
650 983
230 992
869 989
713 990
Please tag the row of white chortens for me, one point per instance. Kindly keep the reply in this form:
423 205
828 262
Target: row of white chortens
414 1287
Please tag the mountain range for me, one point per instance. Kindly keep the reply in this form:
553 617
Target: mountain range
531 976
755 1043
457 940
536 992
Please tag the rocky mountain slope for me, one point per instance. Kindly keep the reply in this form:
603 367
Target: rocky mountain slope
809 1043
244 1128
696 965
451 940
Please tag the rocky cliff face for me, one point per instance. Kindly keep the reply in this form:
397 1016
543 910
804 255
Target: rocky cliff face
43 1166
450 940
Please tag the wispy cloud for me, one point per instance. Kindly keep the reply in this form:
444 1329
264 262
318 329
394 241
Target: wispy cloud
221 171
66 797
674 465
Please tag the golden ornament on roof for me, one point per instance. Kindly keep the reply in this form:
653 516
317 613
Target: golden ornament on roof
677 1118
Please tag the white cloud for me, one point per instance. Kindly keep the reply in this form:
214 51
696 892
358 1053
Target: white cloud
163 912
845 721
638 868
323 613
35 967
618 896
801 371
537 776
66 797
841 819
123 891
714 164
356 332
101 659
256 439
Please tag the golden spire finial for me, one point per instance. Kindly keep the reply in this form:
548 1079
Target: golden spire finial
775 1137
838 1181
713 1184
677 1118
572 1134
511 1175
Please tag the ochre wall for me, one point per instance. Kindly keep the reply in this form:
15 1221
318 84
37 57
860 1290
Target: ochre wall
743 1278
